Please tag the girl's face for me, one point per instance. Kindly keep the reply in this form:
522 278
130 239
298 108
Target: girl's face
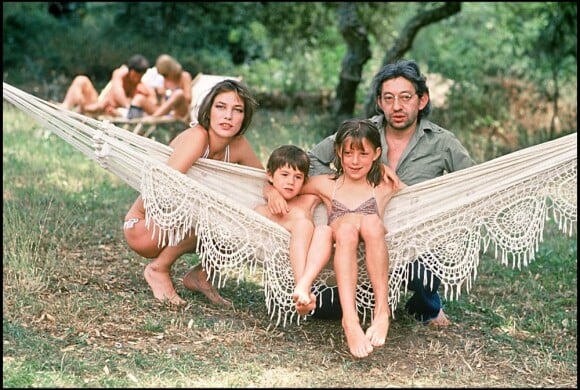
226 114
287 180
357 162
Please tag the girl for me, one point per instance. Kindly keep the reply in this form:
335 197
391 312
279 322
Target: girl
224 116
355 198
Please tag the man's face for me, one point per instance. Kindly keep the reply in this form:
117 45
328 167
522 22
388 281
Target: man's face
400 103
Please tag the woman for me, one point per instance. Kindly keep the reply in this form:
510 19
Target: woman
224 116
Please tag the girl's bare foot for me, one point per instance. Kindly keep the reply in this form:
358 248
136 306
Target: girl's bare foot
304 308
440 320
358 344
196 280
377 332
160 283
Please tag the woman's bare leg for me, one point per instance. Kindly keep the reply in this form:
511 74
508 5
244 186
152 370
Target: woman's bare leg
197 280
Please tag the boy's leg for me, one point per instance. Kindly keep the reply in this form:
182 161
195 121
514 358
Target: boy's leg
318 256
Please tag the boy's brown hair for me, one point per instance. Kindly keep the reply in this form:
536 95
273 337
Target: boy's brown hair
290 155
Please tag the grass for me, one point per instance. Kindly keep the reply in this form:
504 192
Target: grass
78 313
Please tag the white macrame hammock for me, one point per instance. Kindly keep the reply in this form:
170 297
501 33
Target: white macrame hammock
502 203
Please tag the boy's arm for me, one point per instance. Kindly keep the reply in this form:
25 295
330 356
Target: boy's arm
276 202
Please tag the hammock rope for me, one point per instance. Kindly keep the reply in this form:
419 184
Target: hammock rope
501 204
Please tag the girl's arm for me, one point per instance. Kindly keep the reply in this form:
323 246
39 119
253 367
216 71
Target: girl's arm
389 174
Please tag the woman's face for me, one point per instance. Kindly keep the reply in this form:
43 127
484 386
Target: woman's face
227 114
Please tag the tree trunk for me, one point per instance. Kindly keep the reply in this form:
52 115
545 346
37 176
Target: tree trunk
357 54
405 41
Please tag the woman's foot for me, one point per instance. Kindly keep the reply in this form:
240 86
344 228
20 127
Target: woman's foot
196 280
161 285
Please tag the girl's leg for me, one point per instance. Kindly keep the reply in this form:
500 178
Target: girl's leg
373 232
346 237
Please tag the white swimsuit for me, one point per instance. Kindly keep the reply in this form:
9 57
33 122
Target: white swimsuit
226 157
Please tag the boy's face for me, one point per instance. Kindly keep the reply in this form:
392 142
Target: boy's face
287 180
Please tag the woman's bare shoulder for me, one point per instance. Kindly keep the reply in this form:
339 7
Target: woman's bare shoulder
190 135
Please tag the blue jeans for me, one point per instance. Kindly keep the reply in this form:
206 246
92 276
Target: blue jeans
425 302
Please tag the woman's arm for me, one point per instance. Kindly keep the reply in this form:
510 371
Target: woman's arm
188 147
241 152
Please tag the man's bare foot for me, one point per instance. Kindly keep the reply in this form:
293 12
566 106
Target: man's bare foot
196 280
304 308
377 332
440 320
160 283
358 344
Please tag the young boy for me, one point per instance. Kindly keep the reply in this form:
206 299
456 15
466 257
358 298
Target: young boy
310 245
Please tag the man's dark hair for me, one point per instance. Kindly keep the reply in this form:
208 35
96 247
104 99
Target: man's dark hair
138 63
409 70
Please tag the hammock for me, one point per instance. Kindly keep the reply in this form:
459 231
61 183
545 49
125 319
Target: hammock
502 203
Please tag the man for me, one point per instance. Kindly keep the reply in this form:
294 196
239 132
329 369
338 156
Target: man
115 98
418 150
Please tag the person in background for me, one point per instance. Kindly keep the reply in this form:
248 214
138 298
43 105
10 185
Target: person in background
115 98
172 85
224 116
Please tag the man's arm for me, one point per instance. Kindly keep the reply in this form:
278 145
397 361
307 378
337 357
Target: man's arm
458 156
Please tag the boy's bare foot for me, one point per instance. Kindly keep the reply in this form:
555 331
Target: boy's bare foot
304 308
160 283
196 280
440 320
377 332
358 344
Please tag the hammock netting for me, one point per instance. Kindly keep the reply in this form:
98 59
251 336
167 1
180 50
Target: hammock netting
499 205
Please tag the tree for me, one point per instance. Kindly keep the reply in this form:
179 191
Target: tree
357 54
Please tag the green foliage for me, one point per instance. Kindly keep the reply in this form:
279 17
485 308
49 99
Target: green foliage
90 320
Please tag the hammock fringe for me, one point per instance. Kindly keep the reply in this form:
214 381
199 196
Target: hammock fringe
446 222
